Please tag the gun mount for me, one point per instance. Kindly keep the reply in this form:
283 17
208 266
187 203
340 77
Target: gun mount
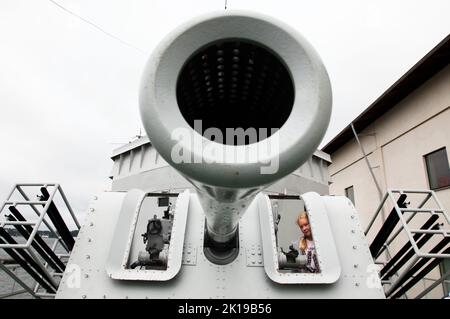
155 240
234 105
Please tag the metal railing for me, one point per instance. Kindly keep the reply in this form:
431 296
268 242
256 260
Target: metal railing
29 251
413 261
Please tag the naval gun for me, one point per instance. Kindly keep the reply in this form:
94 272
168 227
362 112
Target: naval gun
234 105
231 74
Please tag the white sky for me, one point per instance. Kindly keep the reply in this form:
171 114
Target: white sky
68 91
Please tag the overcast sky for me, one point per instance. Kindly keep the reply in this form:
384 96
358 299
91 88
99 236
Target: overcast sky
69 90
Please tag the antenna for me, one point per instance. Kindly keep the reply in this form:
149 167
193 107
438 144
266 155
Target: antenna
139 135
134 137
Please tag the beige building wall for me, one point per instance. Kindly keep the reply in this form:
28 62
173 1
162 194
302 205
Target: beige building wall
396 144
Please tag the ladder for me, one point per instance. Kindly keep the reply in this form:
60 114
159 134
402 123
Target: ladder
21 219
404 264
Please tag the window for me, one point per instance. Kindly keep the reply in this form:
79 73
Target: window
350 194
438 169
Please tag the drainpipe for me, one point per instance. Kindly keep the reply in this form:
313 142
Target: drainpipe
380 193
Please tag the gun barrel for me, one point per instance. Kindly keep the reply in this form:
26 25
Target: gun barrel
234 101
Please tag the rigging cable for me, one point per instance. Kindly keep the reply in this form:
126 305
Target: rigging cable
97 27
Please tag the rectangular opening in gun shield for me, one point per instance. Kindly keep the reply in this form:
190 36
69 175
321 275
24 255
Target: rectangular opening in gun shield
299 246
295 237
150 244
151 237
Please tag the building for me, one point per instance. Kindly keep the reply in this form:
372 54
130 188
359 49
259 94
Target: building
405 135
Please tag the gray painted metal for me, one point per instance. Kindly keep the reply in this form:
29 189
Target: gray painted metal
142 168
96 265
86 276
229 176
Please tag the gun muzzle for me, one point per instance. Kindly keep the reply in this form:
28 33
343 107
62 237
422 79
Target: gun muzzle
215 82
